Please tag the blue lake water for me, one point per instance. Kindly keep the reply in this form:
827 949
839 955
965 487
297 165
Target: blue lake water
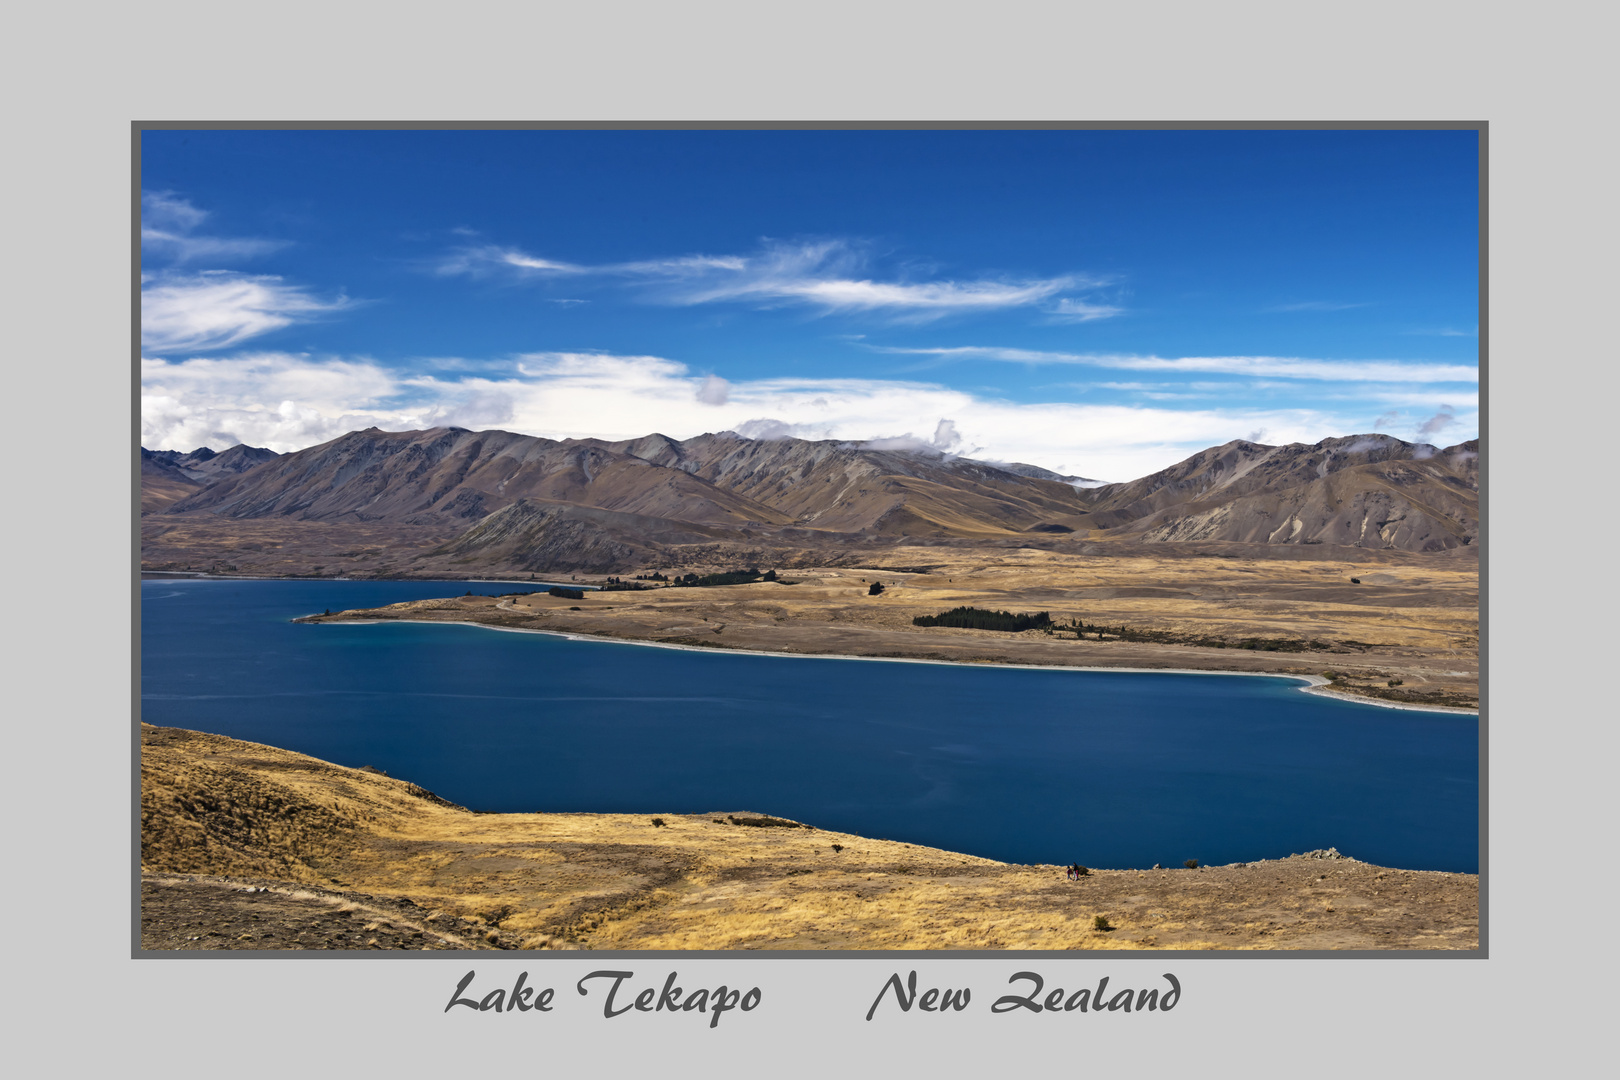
1109 769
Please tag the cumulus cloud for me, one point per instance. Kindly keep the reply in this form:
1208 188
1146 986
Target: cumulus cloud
217 309
946 441
713 390
766 427
282 401
1267 366
1436 424
1373 442
825 274
170 228
288 401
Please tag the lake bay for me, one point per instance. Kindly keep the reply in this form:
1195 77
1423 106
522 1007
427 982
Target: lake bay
1110 769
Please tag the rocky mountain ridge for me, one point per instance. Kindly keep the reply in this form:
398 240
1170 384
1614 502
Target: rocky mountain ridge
520 501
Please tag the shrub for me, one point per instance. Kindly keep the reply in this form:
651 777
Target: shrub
729 577
1101 923
838 847
658 822
1191 864
763 822
1396 682
980 619
1084 870
876 589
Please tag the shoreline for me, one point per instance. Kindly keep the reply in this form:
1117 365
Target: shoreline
1313 684
354 840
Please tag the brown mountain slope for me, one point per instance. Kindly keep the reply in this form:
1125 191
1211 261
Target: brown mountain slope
163 483
722 479
535 536
846 487
419 476
650 496
1359 491
1412 506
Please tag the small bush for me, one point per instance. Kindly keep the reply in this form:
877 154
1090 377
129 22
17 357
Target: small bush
1396 682
658 823
981 619
838 847
1101 923
763 822
876 589
1082 870
1191 864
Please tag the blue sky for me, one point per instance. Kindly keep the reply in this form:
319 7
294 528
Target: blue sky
1103 303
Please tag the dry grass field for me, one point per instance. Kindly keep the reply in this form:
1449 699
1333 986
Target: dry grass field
246 846
1408 632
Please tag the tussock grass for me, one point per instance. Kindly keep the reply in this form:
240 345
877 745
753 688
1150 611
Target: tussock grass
610 881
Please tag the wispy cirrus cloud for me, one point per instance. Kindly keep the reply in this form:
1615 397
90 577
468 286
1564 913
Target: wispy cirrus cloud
1070 310
1447 332
1258 366
1312 305
828 274
170 229
218 309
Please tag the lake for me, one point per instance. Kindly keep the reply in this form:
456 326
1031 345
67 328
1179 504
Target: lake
1109 769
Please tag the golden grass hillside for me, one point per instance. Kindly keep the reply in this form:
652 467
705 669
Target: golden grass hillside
254 817
1395 626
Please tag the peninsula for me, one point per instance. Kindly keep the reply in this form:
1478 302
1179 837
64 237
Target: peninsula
1404 631
1355 559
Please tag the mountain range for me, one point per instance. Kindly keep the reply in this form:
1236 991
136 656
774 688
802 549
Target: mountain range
514 501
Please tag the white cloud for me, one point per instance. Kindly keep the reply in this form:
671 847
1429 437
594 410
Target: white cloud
1435 424
289 401
1071 310
282 401
1448 332
1272 366
216 309
169 227
488 259
1314 305
714 390
826 274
